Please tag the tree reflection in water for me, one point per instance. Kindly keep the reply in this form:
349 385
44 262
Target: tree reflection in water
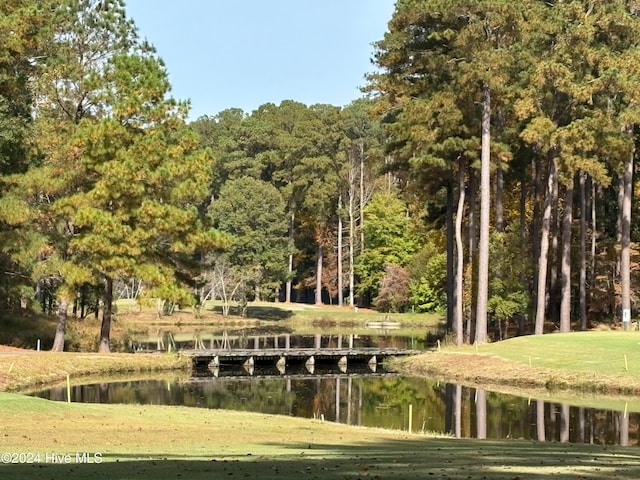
378 401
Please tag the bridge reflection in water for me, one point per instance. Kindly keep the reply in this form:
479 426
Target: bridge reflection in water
285 351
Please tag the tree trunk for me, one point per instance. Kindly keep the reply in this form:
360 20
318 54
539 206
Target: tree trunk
543 260
625 240
339 266
290 267
567 220
352 233
485 194
536 221
473 233
459 257
105 329
594 236
61 328
583 251
552 307
499 197
450 290
319 260
523 225
362 239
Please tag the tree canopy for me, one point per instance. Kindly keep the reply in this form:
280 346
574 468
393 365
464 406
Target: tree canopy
492 133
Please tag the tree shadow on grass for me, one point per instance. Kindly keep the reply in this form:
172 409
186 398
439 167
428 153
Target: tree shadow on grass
259 312
392 460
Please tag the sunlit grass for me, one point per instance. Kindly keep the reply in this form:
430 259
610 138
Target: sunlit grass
30 369
597 361
595 352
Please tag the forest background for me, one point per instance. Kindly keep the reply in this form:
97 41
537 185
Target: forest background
487 173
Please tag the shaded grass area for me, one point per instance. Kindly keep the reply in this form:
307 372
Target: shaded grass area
24 328
178 442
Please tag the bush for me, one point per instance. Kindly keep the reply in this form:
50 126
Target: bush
393 295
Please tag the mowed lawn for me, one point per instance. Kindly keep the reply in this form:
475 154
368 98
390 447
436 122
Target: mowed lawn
162 442
602 362
142 442
599 352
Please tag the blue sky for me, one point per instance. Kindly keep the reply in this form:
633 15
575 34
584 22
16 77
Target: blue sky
244 53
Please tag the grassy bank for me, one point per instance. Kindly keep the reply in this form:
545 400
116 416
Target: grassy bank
597 361
21 370
138 442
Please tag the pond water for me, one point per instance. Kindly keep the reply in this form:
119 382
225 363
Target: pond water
389 336
369 397
377 400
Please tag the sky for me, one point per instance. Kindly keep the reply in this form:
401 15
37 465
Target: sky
244 53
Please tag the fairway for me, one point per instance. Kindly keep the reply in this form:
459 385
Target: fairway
603 362
604 352
79 441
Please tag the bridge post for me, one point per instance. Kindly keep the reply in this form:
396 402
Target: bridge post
318 340
287 341
351 341
340 341
256 343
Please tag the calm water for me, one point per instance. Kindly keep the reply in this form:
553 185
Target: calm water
376 400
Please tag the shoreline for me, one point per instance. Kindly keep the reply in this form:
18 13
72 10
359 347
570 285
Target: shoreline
29 369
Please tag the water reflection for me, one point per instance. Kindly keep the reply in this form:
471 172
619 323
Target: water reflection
258 338
377 400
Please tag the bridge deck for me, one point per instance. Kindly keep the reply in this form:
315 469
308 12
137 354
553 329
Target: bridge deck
203 358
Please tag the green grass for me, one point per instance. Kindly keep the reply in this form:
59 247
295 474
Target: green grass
593 362
599 352
139 442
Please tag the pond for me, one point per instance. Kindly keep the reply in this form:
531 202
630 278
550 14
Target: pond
376 400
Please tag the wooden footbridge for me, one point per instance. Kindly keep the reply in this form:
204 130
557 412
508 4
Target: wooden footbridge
281 351
286 357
